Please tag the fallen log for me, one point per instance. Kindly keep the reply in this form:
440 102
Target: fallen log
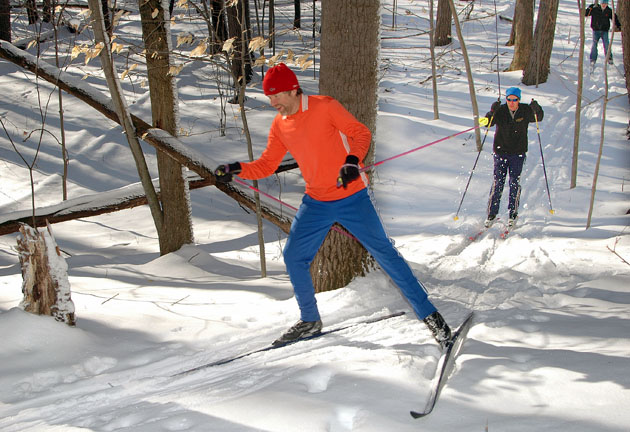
101 203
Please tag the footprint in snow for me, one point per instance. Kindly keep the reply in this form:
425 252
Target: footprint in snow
316 379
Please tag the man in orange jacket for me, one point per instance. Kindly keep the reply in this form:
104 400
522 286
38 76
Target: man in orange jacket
328 144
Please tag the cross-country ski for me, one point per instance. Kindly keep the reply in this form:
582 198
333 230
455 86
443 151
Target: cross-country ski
445 366
270 347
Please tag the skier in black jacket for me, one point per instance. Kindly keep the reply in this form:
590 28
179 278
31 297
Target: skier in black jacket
510 148
601 15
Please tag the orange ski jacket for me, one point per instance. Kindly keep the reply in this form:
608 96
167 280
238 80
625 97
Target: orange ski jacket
319 137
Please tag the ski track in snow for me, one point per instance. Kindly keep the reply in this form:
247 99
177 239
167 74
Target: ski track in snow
546 351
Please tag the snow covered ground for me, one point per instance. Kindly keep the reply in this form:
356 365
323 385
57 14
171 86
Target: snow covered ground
549 349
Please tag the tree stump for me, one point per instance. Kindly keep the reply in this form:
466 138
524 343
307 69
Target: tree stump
45 282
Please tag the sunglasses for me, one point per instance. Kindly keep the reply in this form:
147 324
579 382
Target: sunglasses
512 100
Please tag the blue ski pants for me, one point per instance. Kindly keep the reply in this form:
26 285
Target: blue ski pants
512 163
358 215
597 35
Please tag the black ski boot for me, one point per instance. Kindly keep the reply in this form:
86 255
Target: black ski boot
440 330
512 220
300 330
490 220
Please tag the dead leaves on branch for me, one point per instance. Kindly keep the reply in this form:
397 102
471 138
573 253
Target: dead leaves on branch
302 61
200 49
90 52
255 45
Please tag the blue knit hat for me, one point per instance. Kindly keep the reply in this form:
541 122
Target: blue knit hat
513 91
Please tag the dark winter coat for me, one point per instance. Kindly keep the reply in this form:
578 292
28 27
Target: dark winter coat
511 134
600 18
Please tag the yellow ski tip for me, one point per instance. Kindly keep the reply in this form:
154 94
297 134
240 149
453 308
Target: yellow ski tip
455 218
552 211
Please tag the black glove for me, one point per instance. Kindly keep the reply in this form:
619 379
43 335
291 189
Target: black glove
223 173
495 106
349 171
534 105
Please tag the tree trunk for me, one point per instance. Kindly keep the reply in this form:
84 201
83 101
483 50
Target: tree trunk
578 101
599 153
175 197
469 74
523 28
443 23
238 15
511 41
537 69
436 111
244 7
272 26
297 14
623 12
47 11
107 18
348 72
45 282
219 25
5 20
31 11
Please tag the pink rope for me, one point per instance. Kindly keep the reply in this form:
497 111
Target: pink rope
239 181
417 148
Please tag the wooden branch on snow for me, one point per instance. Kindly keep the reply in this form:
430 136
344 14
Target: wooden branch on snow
614 249
158 138
65 214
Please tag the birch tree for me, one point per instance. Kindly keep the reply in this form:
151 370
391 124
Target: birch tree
436 111
578 101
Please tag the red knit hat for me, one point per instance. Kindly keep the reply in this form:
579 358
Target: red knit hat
279 79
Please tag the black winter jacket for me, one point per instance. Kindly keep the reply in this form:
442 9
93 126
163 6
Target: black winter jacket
600 18
511 134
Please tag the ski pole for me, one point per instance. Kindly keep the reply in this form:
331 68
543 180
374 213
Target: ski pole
473 169
551 210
